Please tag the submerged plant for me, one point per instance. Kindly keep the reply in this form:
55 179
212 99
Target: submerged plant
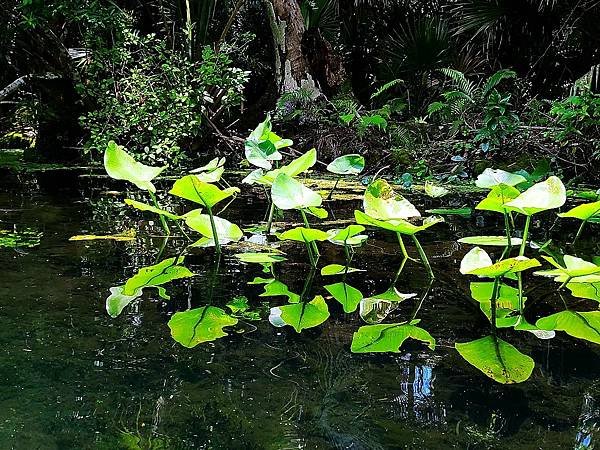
390 211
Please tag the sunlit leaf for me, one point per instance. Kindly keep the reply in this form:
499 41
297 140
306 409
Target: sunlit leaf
348 296
321 213
276 288
542 196
465 212
574 267
193 189
584 212
337 269
128 235
260 258
351 164
493 177
120 165
507 302
433 191
590 291
198 325
347 236
382 203
226 231
478 262
302 234
497 198
497 359
300 315
156 275
397 225
500 241
388 337
145 207
582 325
288 193
117 301
372 310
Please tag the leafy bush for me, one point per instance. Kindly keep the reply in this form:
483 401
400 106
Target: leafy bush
577 114
153 98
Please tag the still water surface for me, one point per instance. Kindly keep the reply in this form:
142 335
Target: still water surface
72 377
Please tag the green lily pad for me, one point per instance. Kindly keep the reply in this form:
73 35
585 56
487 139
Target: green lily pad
574 267
348 296
396 225
288 193
192 188
347 236
302 234
388 337
120 165
494 177
497 359
382 203
338 269
205 324
351 164
549 194
145 207
300 315
582 325
478 262
584 212
590 291
497 199
117 301
260 258
499 241
156 275
226 231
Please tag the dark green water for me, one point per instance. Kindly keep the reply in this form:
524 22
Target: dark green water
72 377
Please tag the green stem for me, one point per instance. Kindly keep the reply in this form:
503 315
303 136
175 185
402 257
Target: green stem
525 236
399 271
214 230
270 217
163 221
311 256
423 256
402 246
493 304
333 188
579 231
307 225
508 230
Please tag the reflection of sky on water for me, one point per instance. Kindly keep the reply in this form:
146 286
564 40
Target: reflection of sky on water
416 400
588 423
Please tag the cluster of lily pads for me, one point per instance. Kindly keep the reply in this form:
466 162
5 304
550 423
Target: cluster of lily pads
499 293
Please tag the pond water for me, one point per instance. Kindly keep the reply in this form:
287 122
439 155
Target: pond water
73 377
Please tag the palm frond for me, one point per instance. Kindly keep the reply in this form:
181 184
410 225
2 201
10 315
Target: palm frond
495 79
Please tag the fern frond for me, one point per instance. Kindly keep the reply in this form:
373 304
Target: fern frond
495 79
386 87
460 81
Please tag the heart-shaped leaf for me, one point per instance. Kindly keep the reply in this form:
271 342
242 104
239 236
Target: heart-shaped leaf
300 315
120 165
382 203
493 177
388 337
348 296
351 164
542 196
198 325
287 193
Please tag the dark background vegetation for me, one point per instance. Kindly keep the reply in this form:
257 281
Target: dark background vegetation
439 88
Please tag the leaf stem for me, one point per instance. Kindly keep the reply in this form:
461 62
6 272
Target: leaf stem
307 225
423 256
333 188
214 230
270 217
579 231
525 236
493 304
163 221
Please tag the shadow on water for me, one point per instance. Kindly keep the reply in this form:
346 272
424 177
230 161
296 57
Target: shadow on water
73 377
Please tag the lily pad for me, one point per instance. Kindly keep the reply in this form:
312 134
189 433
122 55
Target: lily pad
382 203
549 194
348 296
156 275
260 258
584 212
478 262
288 193
497 199
120 165
302 234
145 207
582 325
493 177
574 267
351 164
347 236
337 269
199 325
128 235
499 241
117 301
497 359
396 225
300 315
226 231
388 337
192 188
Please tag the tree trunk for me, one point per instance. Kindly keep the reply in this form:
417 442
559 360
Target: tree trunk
291 66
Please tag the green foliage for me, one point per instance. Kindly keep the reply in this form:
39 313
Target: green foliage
152 97
577 115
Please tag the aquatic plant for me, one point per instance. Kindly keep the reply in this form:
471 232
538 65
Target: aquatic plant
387 210
351 164
588 212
